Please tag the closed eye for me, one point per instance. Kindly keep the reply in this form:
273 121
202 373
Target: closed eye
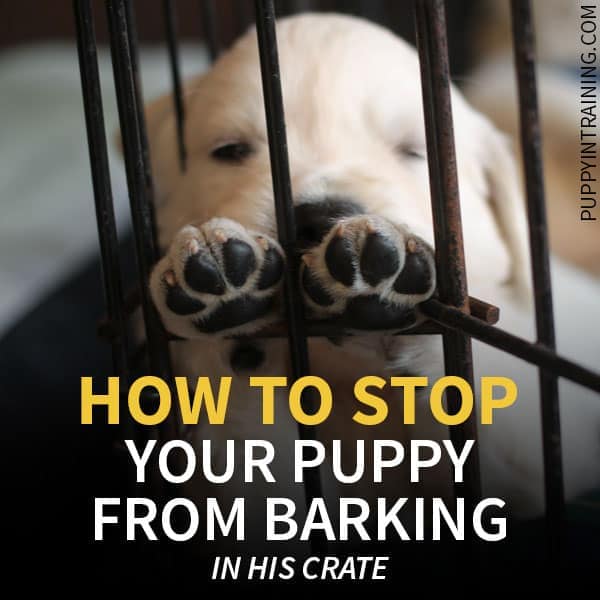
232 152
410 152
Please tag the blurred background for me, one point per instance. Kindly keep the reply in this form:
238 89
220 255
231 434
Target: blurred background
50 281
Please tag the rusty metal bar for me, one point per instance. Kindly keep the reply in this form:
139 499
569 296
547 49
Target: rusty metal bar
323 328
140 194
524 52
105 215
286 226
450 263
170 18
537 354
209 23
477 325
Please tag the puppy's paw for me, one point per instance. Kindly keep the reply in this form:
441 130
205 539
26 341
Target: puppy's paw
369 273
218 277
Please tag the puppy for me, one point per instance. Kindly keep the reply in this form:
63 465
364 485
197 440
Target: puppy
356 143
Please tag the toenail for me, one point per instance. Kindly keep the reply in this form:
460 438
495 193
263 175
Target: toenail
220 236
308 260
263 243
170 279
193 246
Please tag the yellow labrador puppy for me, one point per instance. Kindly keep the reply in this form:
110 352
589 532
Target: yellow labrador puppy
360 185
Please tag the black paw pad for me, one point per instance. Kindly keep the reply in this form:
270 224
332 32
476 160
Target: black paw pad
239 261
272 269
234 313
379 259
314 290
338 258
370 312
246 357
182 304
415 277
202 274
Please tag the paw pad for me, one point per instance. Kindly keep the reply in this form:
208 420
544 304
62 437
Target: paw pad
201 273
379 259
217 277
369 274
416 275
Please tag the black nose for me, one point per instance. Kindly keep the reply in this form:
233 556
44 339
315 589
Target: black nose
315 217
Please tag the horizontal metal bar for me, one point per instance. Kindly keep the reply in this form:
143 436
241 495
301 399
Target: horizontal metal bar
534 353
440 318
330 328
325 328
483 310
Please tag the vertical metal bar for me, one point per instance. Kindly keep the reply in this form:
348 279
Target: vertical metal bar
284 211
297 6
524 51
445 202
105 216
209 22
243 16
369 9
171 35
140 194
132 40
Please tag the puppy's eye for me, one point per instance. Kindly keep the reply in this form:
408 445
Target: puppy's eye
232 152
410 152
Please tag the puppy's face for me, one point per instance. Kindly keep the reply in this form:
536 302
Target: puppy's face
355 132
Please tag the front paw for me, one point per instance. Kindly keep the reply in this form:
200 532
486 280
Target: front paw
218 277
369 274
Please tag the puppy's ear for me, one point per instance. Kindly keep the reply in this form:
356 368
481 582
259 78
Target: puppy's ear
508 205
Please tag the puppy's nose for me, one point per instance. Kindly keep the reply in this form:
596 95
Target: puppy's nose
315 217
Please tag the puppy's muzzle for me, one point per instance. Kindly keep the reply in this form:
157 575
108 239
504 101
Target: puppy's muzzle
316 217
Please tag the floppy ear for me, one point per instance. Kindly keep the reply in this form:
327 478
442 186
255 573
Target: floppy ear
507 203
